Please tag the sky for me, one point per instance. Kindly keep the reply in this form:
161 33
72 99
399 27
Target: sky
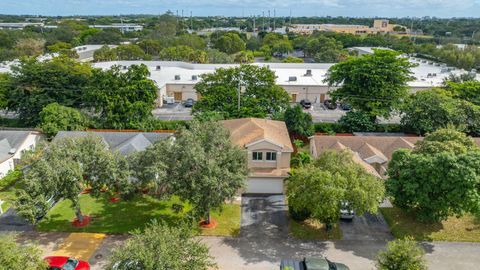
352 8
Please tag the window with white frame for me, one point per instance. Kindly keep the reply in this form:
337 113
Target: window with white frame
271 156
257 156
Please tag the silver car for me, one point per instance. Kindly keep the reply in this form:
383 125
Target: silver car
346 212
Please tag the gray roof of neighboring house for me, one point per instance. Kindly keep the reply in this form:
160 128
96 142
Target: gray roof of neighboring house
123 142
11 140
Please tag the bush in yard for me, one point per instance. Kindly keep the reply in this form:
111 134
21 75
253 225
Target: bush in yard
299 122
299 215
402 254
14 256
161 247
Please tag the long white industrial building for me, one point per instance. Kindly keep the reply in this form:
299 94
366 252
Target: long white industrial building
300 80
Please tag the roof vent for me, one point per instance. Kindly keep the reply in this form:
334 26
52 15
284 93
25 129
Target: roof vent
292 78
194 77
12 151
309 73
177 77
158 68
125 67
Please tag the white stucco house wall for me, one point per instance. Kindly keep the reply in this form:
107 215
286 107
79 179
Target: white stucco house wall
13 144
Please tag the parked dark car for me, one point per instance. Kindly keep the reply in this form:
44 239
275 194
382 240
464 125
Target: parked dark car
330 104
345 106
189 103
306 104
312 264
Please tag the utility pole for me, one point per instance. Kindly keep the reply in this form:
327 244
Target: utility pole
254 30
290 16
191 21
269 23
263 20
274 17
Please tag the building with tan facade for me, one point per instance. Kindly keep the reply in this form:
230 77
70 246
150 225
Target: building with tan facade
379 27
268 149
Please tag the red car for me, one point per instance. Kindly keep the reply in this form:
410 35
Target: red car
66 263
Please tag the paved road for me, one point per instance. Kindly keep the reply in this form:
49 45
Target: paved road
264 241
244 254
247 253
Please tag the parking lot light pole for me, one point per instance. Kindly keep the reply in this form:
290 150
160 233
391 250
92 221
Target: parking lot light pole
239 90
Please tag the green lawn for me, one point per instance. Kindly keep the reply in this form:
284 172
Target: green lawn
8 186
125 216
464 229
313 230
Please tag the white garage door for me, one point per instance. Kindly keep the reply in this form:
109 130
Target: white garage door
265 185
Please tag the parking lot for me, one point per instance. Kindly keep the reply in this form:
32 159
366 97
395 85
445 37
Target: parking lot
319 112
174 111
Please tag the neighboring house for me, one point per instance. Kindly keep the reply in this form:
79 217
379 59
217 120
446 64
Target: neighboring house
12 145
372 152
123 142
268 148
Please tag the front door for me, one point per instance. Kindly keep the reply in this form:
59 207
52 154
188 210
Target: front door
322 98
177 96
294 98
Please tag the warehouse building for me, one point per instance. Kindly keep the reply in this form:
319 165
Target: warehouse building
176 80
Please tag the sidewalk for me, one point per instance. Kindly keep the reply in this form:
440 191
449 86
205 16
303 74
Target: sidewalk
80 245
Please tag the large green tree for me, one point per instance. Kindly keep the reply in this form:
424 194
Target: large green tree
320 188
122 99
230 43
439 178
14 256
33 85
324 49
468 90
402 254
64 169
375 84
205 168
55 117
259 93
429 110
104 54
161 247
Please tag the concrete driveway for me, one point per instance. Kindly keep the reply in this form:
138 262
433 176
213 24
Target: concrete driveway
264 217
366 227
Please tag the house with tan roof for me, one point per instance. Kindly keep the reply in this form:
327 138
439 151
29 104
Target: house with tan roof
372 152
268 148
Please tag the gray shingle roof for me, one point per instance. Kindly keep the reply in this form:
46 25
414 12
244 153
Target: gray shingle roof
11 139
123 142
